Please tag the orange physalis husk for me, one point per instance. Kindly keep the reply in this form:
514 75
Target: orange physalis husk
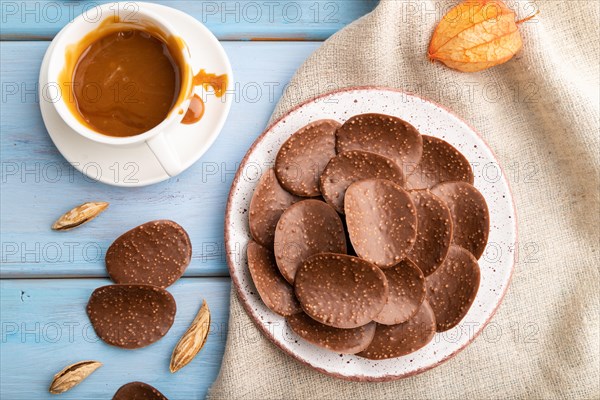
475 35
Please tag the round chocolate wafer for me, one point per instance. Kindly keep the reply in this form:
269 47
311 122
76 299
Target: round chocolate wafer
138 391
344 341
440 162
341 291
470 216
452 288
385 135
302 158
306 228
406 293
131 316
382 221
155 253
351 166
268 202
434 231
274 290
392 341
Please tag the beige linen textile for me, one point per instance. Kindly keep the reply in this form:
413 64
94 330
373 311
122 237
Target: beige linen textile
540 114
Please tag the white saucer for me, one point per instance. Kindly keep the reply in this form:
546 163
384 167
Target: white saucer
137 165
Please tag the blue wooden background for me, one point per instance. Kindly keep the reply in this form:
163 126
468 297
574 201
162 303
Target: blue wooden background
47 277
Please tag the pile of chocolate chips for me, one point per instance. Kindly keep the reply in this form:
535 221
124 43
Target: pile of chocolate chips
366 236
137 311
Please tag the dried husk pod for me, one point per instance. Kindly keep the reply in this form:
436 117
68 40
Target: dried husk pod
73 375
192 340
476 35
79 215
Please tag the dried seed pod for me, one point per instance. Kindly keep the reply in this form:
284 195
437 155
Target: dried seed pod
476 35
79 215
73 375
192 340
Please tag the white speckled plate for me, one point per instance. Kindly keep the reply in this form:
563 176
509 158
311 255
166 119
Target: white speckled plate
496 264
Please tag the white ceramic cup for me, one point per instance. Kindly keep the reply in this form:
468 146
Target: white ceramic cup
128 13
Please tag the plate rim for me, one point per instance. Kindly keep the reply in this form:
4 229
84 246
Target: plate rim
238 287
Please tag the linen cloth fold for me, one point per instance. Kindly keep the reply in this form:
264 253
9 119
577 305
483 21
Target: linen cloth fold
540 114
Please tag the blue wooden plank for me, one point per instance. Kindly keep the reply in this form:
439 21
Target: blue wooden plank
37 185
42 332
229 20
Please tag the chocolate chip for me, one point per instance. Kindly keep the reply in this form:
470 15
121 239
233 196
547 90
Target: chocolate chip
340 290
138 391
268 202
440 162
345 341
382 221
302 158
155 253
385 135
452 288
351 166
392 341
273 289
434 231
131 316
406 293
470 216
306 228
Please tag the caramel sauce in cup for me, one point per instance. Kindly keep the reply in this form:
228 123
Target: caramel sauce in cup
128 81
124 78
125 83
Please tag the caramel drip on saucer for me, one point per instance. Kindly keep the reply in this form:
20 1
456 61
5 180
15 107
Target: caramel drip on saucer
195 111
217 82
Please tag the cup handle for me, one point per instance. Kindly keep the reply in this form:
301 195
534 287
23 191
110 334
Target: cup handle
165 154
